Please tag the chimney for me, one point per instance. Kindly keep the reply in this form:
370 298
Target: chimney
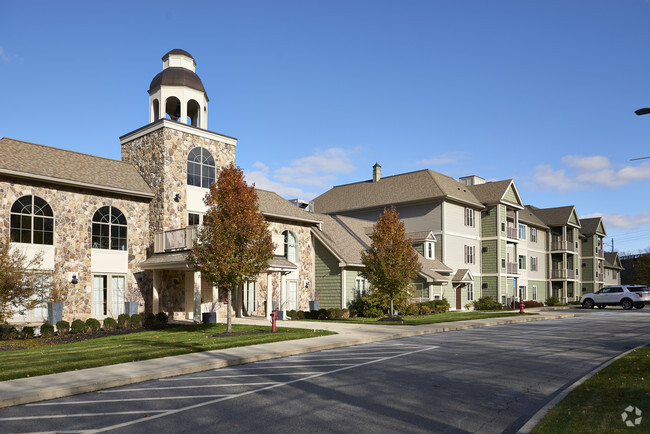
376 172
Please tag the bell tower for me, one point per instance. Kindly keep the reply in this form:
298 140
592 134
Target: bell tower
177 93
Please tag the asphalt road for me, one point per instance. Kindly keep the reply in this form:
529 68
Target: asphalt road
491 379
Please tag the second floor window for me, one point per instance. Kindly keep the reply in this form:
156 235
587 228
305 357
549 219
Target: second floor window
469 254
522 232
32 221
522 262
290 246
533 235
469 217
201 168
109 229
533 263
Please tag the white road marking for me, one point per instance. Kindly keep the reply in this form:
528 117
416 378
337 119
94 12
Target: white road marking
198 386
213 377
286 383
61 416
102 401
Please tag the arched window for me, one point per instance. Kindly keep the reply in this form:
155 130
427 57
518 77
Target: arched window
109 229
193 113
200 168
290 246
32 221
173 108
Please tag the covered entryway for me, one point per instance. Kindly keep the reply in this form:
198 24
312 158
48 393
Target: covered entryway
461 280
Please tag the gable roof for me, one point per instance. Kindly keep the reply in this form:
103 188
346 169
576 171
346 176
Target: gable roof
59 166
271 205
463 275
527 216
613 261
495 192
421 236
591 226
558 216
420 186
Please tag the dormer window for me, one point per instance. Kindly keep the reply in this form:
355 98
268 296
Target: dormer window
429 251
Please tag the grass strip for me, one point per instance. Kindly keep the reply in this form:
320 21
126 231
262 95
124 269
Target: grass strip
50 359
432 319
597 404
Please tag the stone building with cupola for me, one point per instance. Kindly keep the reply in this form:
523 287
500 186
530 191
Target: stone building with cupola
116 231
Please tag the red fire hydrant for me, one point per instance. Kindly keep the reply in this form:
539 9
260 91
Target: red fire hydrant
521 306
274 317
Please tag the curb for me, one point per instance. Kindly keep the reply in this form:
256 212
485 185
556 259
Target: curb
28 390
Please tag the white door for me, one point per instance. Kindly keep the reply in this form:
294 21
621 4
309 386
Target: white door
292 295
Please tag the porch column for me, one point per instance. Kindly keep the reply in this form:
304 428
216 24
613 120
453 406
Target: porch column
283 294
269 295
155 297
197 296
343 288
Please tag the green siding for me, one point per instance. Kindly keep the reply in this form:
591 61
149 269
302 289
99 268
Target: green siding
541 290
419 248
510 196
586 287
350 277
588 247
504 250
492 286
587 272
502 219
489 223
327 277
490 258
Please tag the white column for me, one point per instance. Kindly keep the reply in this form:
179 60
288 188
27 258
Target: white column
283 294
197 295
343 288
269 295
155 297
189 294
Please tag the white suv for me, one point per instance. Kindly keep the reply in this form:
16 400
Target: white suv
627 296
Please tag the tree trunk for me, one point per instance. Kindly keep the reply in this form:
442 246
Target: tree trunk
229 312
392 312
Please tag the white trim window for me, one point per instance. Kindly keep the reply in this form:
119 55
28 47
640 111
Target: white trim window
522 262
194 219
533 263
108 295
429 251
109 229
522 293
360 286
533 235
290 246
201 168
469 254
31 221
522 232
469 217
470 291
534 289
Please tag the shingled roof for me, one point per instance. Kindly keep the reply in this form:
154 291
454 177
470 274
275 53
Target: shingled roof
272 205
493 192
613 261
527 216
559 216
59 166
423 185
590 226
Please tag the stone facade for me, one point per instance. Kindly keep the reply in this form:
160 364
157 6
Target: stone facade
73 210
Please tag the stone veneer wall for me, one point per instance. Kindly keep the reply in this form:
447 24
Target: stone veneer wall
161 159
73 210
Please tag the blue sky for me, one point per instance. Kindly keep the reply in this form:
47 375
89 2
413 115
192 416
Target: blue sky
318 91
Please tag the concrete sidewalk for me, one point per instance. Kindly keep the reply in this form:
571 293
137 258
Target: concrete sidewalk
27 390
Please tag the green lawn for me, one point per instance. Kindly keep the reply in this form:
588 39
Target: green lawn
433 319
597 404
137 346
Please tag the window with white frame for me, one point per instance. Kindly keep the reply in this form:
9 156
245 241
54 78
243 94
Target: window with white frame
420 291
469 254
290 246
109 229
107 295
470 291
469 217
201 168
429 251
522 232
522 293
533 235
533 263
360 286
534 289
194 219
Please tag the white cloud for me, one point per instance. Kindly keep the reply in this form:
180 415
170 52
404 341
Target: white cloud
584 173
318 170
623 221
6 57
444 158
261 180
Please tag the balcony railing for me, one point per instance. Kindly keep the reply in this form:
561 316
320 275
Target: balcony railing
512 233
600 277
600 253
174 240
562 245
563 273
513 268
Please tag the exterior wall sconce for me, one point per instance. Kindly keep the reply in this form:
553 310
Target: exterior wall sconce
177 196
74 278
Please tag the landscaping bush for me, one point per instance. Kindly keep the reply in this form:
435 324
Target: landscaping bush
322 314
161 318
110 324
411 309
292 314
123 321
529 303
27 332
365 307
47 330
62 327
334 313
78 326
425 310
553 301
10 333
486 303
345 314
136 321
149 319
300 315
92 325
436 306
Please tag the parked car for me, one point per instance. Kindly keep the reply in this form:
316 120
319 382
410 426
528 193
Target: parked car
627 296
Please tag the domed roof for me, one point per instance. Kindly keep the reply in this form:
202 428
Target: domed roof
174 76
179 51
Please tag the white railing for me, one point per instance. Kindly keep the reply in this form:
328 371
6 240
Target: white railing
174 240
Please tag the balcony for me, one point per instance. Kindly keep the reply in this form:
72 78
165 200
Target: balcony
600 277
174 240
512 233
600 253
563 273
557 245
513 268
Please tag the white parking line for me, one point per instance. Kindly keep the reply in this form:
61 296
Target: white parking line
61 416
199 386
214 401
211 377
102 401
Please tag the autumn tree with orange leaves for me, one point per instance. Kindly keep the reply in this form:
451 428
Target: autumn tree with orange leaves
391 263
234 242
